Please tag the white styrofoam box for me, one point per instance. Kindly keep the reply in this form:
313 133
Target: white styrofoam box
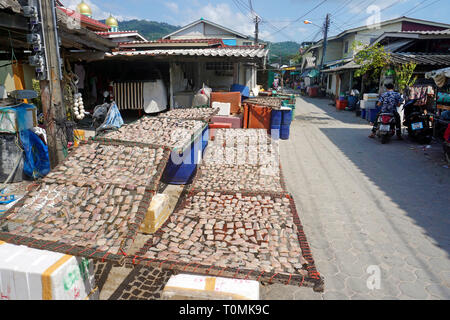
370 96
8 119
157 213
188 286
32 274
224 108
368 104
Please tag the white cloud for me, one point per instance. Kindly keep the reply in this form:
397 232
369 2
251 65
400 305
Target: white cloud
222 14
172 6
97 12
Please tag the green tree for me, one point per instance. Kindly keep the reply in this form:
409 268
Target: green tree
372 59
404 75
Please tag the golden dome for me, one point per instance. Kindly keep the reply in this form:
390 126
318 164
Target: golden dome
83 8
111 22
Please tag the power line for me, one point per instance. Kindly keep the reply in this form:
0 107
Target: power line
262 20
303 15
430 4
382 10
412 9
341 7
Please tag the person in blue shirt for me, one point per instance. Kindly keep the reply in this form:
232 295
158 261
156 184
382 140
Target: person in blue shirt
389 101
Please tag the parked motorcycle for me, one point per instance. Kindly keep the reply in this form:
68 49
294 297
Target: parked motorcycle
418 122
386 127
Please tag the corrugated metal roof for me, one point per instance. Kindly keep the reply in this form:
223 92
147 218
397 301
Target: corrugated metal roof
435 32
210 52
392 47
12 5
421 59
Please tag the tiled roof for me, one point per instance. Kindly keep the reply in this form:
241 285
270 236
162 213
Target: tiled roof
255 52
107 33
84 19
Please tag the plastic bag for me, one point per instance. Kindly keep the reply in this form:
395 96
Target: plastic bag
113 119
36 160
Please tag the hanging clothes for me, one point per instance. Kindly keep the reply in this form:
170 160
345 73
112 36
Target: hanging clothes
421 93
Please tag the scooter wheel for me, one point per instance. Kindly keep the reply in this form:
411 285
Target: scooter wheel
384 139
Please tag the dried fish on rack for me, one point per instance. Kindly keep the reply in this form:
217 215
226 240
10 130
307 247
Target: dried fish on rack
250 231
245 137
171 133
195 113
102 218
94 163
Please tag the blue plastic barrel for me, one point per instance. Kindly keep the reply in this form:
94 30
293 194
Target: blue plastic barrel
275 131
284 132
275 117
181 167
205 137
352 100
287 117
372 115
363 113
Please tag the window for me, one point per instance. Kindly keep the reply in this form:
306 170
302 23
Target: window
247 43
346 47
219 66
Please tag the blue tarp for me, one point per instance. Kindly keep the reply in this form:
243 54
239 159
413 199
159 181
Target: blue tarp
36 158
244 90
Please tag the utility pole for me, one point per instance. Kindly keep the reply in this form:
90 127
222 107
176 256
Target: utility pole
325 38
256 20
51 90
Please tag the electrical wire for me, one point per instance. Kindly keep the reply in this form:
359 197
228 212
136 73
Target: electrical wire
302 16
430 4
412 9
341 7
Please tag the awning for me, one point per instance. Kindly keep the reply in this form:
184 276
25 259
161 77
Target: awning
349 66
439 76
312 73
421 58
392 47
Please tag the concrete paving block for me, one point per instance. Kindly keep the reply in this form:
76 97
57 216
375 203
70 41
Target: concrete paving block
414 290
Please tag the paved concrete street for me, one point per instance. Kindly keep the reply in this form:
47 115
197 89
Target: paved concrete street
366 205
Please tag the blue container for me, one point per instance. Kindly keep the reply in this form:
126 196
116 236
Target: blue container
363 113
276 117
342 98
244 90
287 117
352 100
275 131
284 132
181 167
205 137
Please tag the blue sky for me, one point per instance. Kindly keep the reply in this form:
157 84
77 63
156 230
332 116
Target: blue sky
282 20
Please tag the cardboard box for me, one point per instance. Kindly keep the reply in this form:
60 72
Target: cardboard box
236 121
224 108
197 287
32 274
234 98
157 213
